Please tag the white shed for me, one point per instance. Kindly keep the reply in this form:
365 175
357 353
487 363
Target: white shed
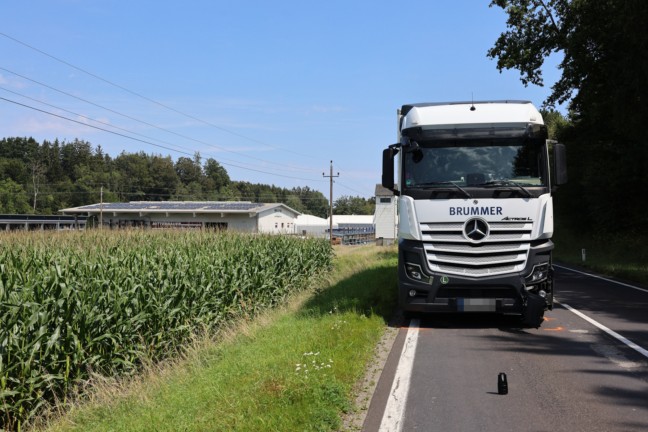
386 216
312 226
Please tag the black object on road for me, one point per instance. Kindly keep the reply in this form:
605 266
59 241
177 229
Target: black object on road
502 384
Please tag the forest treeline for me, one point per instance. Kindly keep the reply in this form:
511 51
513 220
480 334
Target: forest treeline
604 82
43 178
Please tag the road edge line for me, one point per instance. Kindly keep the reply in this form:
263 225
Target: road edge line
392 420
601 277
612 333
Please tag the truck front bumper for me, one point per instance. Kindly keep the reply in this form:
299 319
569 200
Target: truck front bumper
422 290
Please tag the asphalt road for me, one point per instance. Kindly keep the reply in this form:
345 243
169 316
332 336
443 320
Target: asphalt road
568 375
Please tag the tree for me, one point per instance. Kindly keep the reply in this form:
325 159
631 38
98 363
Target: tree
604 80
314 202
14 169
599 39
134 175
23 149
75 155
13 198
51 157
229 193
348 205
37 174
164 179
216 173
556 123
44 178
188 170
294 203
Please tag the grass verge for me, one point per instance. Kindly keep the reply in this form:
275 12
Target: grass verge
624 257
292 369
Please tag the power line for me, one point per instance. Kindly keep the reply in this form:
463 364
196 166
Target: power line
148 142
349 188
149 99
135 119
167 107
108 124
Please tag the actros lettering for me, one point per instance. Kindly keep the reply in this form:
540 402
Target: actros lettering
475 211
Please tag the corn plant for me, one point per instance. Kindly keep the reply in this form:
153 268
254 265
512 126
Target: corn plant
76 303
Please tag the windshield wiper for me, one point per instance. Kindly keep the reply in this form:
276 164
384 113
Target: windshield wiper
446 183
497 183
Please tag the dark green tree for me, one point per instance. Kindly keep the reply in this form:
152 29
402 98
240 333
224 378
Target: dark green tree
14 169
314 202
164 178
74 155
188 170
294 202
216 173
604 80
349 205
134 176
13 198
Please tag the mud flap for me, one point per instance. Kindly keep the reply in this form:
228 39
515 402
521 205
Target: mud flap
533 310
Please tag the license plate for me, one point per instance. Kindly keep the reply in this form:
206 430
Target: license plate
476 305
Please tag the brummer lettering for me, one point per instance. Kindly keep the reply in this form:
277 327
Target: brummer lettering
476 211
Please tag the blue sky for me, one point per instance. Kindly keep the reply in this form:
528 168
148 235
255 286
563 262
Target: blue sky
272 90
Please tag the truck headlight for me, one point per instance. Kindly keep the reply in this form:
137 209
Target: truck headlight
539 273
414 272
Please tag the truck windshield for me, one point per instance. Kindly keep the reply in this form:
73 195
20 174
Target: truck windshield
484 166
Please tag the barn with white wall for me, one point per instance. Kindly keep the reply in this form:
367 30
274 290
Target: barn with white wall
231 216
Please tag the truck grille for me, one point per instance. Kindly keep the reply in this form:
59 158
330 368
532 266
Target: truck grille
504 250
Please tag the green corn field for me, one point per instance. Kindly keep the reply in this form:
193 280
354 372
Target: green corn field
80 302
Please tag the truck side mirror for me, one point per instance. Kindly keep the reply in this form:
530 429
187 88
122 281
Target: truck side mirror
388 167
560 164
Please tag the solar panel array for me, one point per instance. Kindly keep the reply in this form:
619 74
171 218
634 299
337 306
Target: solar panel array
174 205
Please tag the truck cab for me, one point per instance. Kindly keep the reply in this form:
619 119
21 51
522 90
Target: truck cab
475 182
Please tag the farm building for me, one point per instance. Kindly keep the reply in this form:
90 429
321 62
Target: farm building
13 222
240 216
349 229
353 229
233 216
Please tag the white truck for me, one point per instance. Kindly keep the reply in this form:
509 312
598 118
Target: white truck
474 181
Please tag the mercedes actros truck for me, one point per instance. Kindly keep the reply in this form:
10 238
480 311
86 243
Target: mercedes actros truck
474 183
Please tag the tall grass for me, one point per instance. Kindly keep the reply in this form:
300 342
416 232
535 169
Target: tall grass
295 368
622 256
75 303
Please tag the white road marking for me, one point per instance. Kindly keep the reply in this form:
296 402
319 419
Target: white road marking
612 333
602 278
392 420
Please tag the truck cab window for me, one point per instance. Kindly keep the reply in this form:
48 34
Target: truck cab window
473 166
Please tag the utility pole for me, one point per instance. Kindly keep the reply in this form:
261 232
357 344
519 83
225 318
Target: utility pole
331 176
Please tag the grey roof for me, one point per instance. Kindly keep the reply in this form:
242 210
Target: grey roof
172 205
383 191
176 207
